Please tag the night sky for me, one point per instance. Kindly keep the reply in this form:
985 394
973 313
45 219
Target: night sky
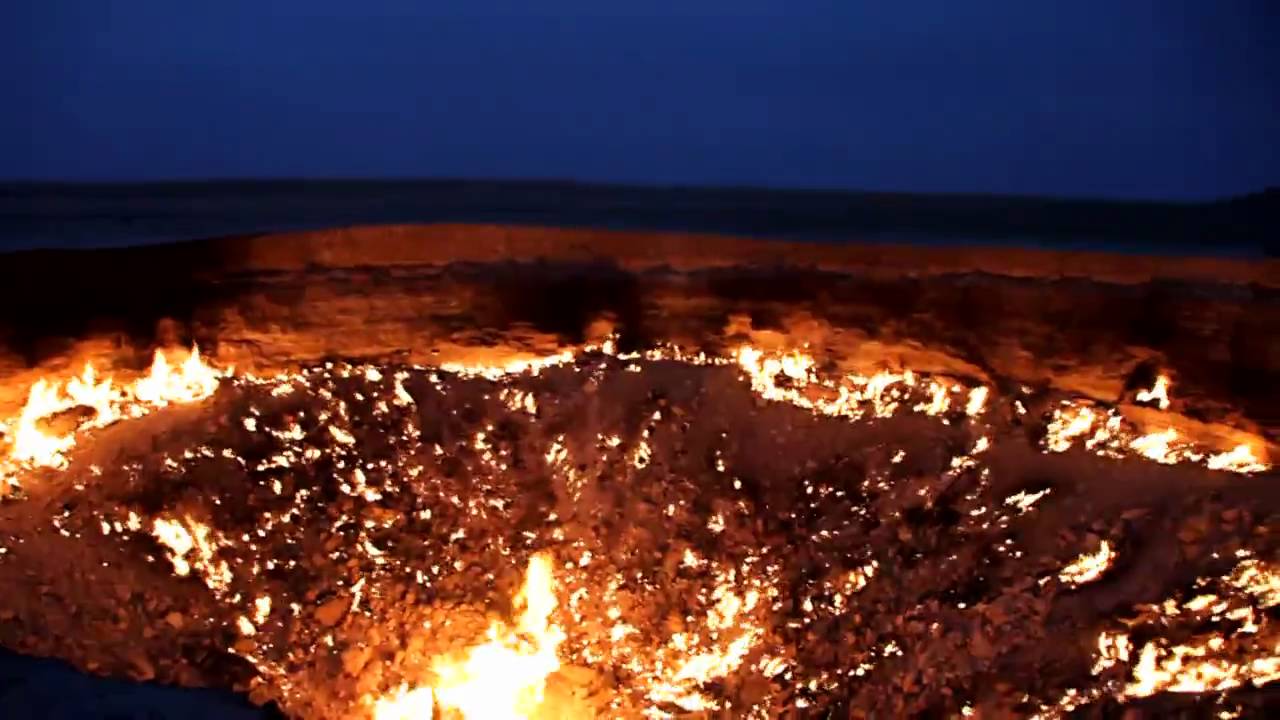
1143 98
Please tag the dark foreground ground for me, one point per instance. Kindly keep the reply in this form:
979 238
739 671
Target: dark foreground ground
36 689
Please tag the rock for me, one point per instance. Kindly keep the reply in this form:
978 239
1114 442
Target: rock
141 666
981 646
578 675
354 659
175 620
332 611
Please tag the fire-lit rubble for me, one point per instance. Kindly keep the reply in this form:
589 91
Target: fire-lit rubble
611 534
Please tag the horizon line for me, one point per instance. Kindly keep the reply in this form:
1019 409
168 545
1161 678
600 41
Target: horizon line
619 185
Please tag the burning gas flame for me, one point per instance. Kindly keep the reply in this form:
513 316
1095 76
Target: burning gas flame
192 381
1204 662
1157 446
1239 459
406 704
192 545
35 445
1158 394
505 677
1106 435
1088 567
30 444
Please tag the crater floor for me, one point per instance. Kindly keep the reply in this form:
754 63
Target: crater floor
648 535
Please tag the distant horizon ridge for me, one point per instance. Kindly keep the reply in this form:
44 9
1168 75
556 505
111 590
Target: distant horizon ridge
1266 191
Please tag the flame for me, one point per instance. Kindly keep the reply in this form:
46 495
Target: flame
505 675
503 678
977 401
1088 567
1191 668
1239 459
406 704
182 538
193 380
691 660
1113 648
1106 435
36 446
1066 425
32 445
850 395
1157 446
1159 394
939 400
515 366
786 377
1208 662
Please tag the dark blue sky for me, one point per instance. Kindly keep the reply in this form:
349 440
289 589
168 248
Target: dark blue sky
1126 98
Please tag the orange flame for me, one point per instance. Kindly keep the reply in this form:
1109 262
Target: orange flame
1159 394
503 678
36 446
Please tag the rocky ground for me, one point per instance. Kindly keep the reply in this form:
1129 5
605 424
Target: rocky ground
316 539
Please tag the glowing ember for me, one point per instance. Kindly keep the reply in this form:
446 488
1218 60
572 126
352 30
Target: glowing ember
1088 567
191 545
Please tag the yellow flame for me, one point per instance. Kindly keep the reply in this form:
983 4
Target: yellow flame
515 366
939 400
192 546
32 445
977 401
506 676
1066 425
1088 567
37 446
1157 446
1239 459
1205 662
1192 667
193 380
1159 394
405 704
